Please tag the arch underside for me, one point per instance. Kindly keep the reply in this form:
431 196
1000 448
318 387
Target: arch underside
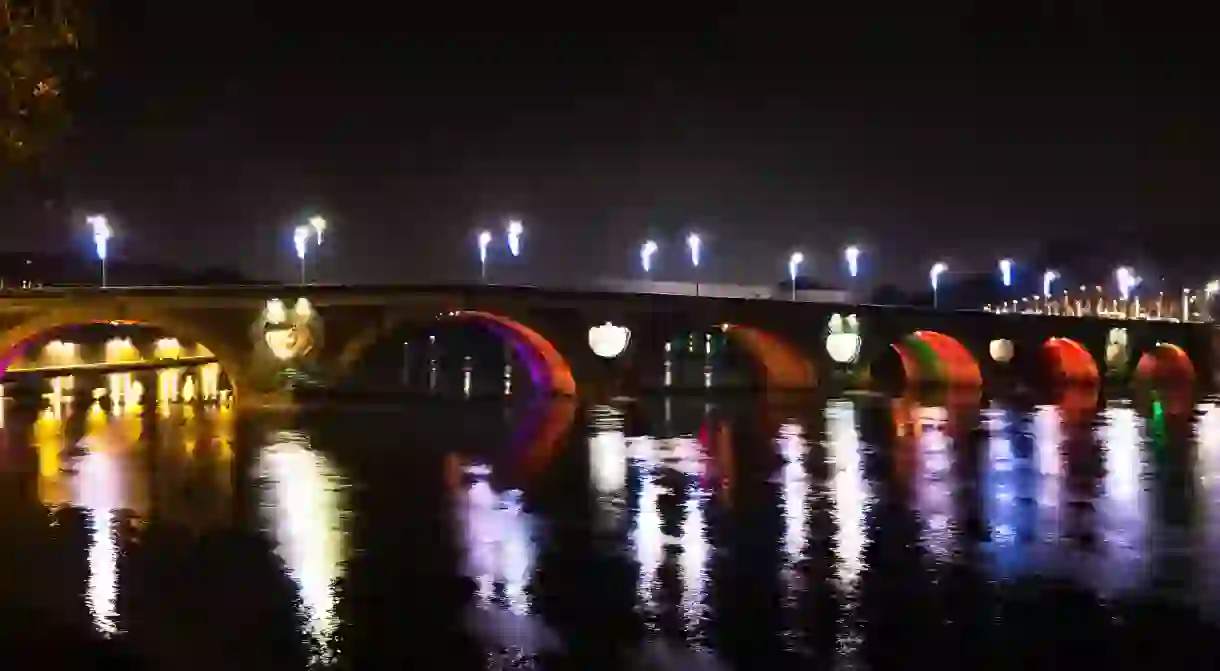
933 358
16 340
1069 362
549 371
1165 364
782 365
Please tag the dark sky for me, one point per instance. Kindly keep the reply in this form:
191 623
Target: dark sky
948 130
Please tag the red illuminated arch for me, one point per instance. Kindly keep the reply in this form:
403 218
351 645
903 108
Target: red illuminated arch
929 357
782 365
1165 363
549 371
1070 362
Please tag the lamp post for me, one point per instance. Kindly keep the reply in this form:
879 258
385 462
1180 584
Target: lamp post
794 262
101 235
300 238
1048 279
318 224
647 250
938 269
1006 272
515 229
1209 291
695 244
1126 279
1185 304
484 240
852 256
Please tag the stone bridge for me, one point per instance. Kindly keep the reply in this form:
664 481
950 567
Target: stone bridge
256 331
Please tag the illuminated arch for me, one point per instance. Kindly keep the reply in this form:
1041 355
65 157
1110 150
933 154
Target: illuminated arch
1069 361
230 357
549 371
929 357
782 365
1165 363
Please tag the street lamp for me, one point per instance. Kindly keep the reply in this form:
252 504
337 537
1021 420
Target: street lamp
1006 272
1126 279
101 235
484 240
852 256
1185 304
300 238
695 244
318 224
1048 278
646 252
938 268
794 262
515 229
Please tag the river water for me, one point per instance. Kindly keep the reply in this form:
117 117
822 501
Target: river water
679 533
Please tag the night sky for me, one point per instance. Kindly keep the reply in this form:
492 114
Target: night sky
937 130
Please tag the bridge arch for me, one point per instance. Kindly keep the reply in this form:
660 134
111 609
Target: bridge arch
1068 361
229 355
782 366
930 357
1165 363
550 372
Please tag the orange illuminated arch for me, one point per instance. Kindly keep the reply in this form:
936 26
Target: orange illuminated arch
782 365
549 371
1165 363
1070 361
929 357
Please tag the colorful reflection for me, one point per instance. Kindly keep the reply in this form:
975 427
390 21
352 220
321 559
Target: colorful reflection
935 483
929 357
303 504
499 541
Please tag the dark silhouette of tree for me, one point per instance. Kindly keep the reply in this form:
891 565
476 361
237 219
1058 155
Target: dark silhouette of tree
36 39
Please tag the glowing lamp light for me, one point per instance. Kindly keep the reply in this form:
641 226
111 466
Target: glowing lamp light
609 340
843 339
318 224
101 233
1006 272
1048 278
303 309
695 243
1001 350
283 343
1127 280
647 250
938 269
275 313
852 256
300 236
515 229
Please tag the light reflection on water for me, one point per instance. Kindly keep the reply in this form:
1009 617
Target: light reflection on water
1047 490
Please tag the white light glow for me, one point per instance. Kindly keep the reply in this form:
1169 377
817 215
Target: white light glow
850 491
695 243
303 508
1048 279
647 251
484 241
852 256
938 269
608 340
300 237
274 312
499 542
318 224
515 229
794 263
1006 272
